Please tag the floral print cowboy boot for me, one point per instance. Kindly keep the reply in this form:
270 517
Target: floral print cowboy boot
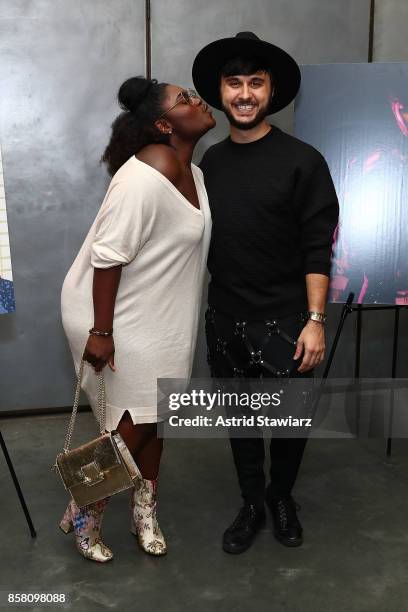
144 523
86 523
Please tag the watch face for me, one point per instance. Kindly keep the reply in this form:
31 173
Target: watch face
317 316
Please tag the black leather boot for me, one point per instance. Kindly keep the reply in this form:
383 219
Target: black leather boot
241 533
287 528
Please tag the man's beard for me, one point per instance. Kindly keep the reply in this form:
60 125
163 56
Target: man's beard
259 117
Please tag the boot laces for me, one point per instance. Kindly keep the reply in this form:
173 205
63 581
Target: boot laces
246 513
287 508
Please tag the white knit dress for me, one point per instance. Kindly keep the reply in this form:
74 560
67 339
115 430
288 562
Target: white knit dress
162 242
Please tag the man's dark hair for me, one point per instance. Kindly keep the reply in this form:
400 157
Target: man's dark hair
244 65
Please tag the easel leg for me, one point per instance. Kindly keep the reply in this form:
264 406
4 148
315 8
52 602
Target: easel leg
345 311
357 364
18 488
393 375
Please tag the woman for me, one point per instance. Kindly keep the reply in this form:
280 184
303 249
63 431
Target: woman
137 283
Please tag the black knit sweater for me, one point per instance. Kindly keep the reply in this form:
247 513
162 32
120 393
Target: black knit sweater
274 210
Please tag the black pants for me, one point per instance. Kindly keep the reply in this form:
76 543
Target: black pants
235 347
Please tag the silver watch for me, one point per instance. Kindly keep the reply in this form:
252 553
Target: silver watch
316 316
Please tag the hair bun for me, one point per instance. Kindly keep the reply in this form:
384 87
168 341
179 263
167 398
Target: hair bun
133 91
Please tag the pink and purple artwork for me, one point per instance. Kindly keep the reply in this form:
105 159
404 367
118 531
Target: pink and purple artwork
357 116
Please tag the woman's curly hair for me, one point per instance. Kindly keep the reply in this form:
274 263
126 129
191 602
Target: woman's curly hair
141 100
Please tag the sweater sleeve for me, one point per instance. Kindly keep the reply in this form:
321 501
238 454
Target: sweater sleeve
317 211
123 225
203 163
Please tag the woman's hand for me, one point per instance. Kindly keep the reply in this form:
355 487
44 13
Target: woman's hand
99 351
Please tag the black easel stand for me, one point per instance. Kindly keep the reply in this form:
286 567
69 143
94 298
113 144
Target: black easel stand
18 488
347 309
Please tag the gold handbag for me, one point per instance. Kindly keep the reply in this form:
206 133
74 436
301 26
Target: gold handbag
98 468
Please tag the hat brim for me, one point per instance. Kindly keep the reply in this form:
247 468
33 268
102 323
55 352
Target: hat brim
211 59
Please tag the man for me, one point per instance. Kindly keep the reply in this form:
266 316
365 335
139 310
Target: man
274 210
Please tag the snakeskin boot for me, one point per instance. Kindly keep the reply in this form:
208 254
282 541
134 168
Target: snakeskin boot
144 523
86 523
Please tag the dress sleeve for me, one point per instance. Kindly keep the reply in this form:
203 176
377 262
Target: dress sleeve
317 211
123 225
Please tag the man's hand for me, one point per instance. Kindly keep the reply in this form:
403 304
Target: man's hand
311 344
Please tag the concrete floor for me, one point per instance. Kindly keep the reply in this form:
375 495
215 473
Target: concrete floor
354 506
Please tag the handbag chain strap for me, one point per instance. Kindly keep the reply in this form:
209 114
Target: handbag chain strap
101 405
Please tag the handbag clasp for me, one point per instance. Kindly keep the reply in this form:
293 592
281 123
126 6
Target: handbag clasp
92 474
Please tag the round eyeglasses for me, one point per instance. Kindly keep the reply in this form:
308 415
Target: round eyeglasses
187 96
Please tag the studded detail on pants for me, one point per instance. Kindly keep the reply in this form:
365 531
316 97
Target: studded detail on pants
238 347
253 349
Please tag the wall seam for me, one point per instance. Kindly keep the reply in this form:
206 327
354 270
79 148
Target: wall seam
371 31
148 39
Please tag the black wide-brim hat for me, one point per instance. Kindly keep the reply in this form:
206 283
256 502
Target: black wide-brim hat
210 60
